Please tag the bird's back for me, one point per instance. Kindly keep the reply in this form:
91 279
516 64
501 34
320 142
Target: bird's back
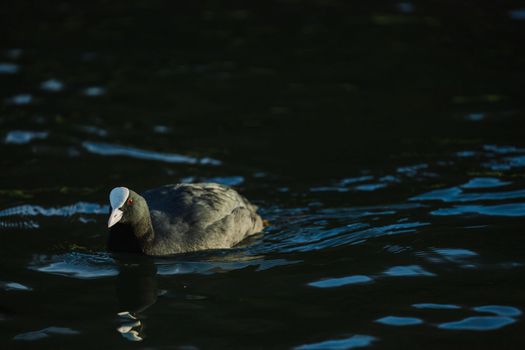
190 217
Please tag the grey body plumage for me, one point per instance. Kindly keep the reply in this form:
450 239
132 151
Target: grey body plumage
182 218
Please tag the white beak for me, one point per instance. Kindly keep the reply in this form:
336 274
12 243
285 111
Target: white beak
115 217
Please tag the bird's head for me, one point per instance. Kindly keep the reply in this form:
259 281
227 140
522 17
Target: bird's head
126 206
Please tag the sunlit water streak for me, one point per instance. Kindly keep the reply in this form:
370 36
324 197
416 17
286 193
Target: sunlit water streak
106 149
101 265
19 137
68 210
8 68
299 231
399 321
45 333
478 323
353 342
52 85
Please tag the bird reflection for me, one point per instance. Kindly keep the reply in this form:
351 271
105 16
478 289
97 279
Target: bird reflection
136 291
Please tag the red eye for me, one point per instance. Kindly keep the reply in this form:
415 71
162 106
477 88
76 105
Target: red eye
130 201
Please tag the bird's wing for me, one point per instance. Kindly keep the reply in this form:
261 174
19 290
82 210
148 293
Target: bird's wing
201 215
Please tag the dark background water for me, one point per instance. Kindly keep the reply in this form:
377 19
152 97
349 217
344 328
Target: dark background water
383 141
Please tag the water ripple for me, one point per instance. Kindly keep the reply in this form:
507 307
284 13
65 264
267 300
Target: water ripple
20 99
342 281
309 230
45 333
52 85
478 323
19 137
208 268
100 265
485 182
399 321
511 210
316 237
8 68
499 310
94 91
407 271
455 194
70 210
433 306
106 149
356 341
19 224
223 180
76 265
518 14
14 286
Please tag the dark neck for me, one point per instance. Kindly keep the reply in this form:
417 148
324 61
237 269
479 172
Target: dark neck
131 238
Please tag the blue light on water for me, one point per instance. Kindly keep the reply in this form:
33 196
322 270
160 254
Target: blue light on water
485 182
407 271
45 333
479 323
356 341
433 306
399 321
106 149
342 281
511 210
499 310
20 137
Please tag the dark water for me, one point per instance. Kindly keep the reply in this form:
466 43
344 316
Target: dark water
384 142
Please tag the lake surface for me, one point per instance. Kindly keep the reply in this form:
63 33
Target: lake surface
383 142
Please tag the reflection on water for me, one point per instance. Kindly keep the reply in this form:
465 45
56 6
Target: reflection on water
136 291
106 149
94 91
20 100
461 257
355 341
499 310
77 265
224 180
505 315
314 227
129 327
45 333
485 182
24 136
455 194
395 204
478 323
99 265
68 210
14 286
8 68
52 85
434 306
515 210
407 271
518 14
399 321
337 282
202 267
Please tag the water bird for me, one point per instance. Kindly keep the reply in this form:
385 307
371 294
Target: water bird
179 218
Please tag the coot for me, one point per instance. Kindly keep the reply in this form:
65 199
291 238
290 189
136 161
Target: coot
179 218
